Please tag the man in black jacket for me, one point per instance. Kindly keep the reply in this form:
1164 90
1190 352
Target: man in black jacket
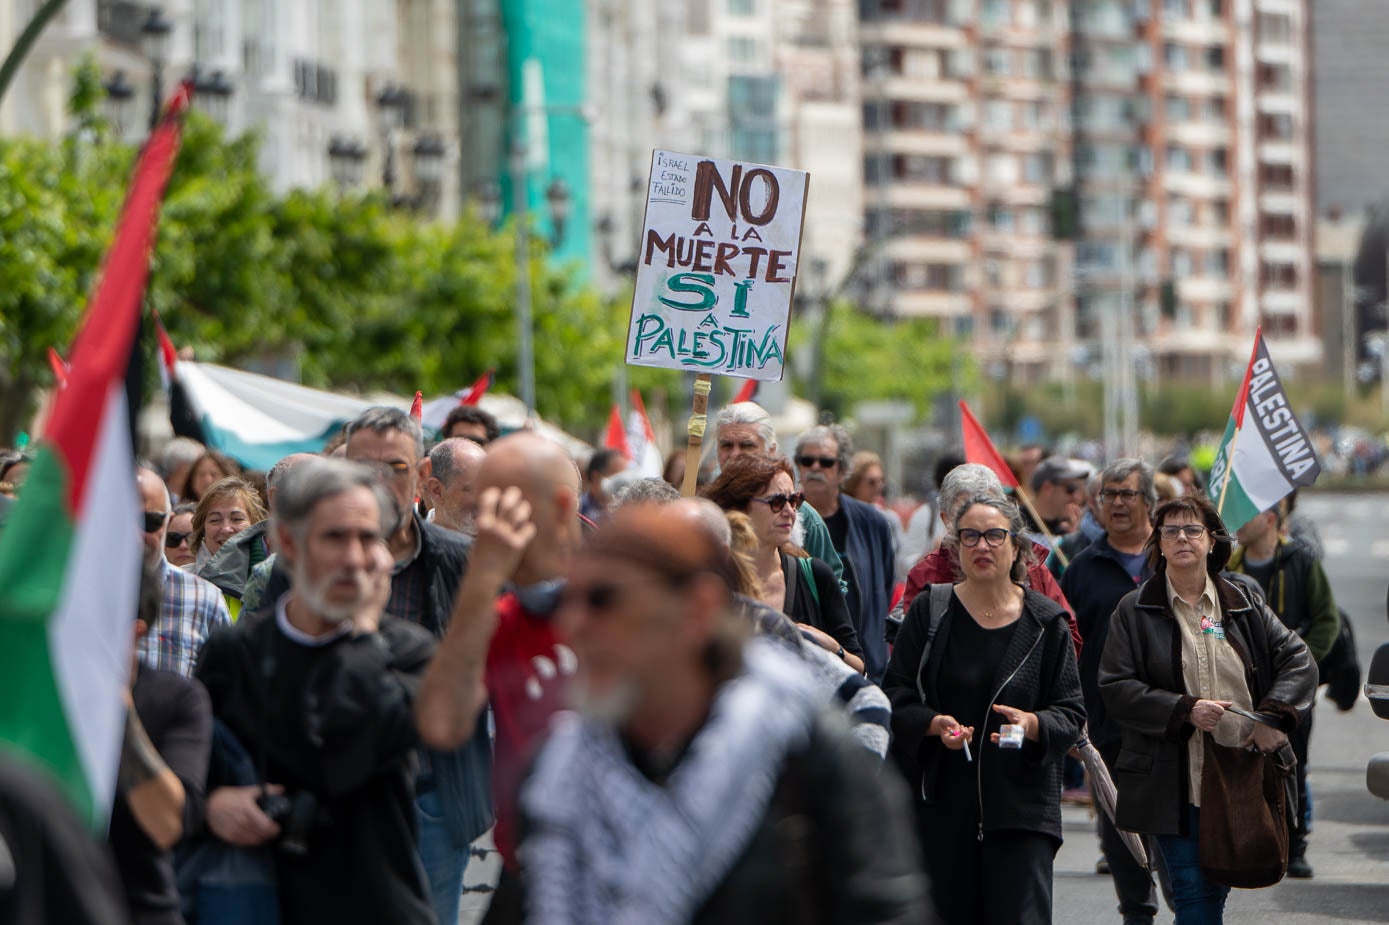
453 792
320 691
1096 580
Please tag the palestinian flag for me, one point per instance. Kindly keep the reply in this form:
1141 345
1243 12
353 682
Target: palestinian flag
748 392
1265 453
615 437
70 552
435 412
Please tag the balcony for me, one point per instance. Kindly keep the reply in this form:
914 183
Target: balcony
1281 302
1199 83
1200 134
1196 31
1205 289
1281 204
911 34
926 249
904 194
931 304
899 141
924 89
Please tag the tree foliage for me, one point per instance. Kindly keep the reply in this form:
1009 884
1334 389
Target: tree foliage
361 295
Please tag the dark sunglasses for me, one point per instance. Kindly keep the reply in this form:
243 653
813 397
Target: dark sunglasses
826 462
778 502
600 597
154 520
175 540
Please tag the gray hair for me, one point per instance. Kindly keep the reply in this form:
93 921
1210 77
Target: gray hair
752 414
1121 469
965 482
644 491
443 459
383 420
1022 546
834 432
280 469
180 451
168 495
315 480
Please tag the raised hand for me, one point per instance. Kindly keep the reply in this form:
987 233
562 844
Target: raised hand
504 530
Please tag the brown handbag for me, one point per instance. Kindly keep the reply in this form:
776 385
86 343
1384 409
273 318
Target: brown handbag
1247 802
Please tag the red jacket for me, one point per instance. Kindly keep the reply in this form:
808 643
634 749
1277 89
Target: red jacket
942 566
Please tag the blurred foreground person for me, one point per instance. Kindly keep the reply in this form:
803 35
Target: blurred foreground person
320 692
970 659
1185 650
699 783
163 769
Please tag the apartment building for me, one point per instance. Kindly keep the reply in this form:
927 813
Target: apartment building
1176 134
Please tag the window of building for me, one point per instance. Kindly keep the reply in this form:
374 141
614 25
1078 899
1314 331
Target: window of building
743 49
1000 217
998 115
994 13
921 168
1214 109
1178 109
914 116
1037 168
1181 263
1276 126
1178 158
1278 227
1217 262
1215 162
1277 78
1179 210
1215 58
1277 176
1174 9
742 7
1002 169
1275 28
996 62
697 17
1278 275
1174 56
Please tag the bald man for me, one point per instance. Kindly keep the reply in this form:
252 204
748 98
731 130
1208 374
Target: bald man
190 608
501 643
448 477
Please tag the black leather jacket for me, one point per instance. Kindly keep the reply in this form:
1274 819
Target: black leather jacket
1141 682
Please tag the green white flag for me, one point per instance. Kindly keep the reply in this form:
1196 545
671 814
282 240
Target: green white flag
1265 453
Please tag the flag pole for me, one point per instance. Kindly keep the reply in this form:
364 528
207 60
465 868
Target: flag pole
1051 537
1229 471
699 419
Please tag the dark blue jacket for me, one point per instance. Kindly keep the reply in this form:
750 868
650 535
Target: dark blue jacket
1095 582
868 568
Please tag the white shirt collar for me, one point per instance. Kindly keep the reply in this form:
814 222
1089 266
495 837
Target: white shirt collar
296 635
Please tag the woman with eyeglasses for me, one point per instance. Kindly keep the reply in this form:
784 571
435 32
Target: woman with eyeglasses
178 541
802 587
986 702
1186 651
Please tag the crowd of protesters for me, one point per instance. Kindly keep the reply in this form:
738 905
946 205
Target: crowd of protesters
775 702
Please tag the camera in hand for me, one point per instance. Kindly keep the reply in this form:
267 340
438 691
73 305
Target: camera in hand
294 815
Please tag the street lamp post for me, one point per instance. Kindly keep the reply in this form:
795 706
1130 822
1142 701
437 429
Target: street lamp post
392 101
429 170
119 93
345 159
155 38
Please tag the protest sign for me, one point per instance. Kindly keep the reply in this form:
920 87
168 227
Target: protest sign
716 270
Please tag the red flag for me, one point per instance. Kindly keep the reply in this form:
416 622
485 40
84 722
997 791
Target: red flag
980 449
102 347
748 392
473 393
60 369
616 436
417 407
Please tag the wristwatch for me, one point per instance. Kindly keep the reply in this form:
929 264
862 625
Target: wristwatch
840 653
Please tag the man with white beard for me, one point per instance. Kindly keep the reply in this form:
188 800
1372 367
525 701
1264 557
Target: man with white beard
320 693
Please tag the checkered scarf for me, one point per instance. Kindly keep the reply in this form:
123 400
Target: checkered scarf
606 846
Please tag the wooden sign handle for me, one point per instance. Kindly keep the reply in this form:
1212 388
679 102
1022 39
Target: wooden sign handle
699 419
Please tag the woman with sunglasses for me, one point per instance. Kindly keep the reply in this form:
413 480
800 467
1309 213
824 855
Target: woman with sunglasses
971 659
792 581
178 541
1185 652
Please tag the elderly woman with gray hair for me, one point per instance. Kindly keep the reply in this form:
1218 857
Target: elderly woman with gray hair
986 702
942 565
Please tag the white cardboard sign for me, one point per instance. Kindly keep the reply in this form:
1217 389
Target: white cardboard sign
716 271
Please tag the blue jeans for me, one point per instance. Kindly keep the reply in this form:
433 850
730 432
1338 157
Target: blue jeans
443 860
1198 901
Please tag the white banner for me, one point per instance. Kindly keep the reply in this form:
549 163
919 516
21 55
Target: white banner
717 266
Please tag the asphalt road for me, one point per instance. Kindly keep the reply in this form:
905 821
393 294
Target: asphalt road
1349 844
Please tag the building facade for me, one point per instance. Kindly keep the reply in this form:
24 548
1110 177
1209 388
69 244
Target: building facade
313 77
1110 187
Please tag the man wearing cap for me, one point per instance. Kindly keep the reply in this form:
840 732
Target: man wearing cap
699 781
1058 485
